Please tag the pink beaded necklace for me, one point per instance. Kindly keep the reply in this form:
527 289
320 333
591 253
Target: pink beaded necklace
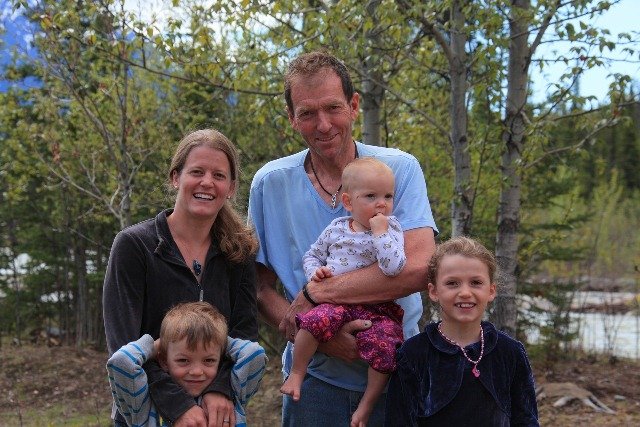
475 371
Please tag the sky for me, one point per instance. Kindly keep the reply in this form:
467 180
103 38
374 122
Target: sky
621 17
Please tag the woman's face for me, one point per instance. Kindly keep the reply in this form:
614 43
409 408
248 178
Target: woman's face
204 184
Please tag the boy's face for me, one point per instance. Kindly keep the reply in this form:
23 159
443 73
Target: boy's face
192 369
371 194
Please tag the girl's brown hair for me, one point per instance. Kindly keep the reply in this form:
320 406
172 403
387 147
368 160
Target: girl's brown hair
199 322
236 239
466 247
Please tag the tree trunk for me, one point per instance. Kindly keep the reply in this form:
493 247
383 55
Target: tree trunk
462 203
81 300
372 91
504 315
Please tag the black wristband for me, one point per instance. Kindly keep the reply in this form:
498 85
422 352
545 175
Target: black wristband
305 292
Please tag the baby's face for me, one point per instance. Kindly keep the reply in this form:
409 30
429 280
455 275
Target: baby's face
192 369
371 195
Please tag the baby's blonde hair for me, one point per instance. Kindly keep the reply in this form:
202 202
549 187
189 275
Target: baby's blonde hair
351 173
199 322
466 247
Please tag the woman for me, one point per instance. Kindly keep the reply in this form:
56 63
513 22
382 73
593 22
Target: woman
199 250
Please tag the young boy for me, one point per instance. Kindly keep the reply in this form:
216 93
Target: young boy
193 340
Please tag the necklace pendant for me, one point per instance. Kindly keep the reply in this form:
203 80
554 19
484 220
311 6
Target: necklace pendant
197 267
334 199
475 371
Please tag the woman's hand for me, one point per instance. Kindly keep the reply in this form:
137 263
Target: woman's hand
219 410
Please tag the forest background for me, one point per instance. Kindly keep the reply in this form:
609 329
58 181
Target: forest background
95 109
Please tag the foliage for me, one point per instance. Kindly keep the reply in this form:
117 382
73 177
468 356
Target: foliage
84 153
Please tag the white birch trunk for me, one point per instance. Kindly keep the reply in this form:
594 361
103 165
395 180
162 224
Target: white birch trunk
462 202
372 90
505 313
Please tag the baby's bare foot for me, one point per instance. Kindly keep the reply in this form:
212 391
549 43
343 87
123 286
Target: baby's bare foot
360 417
292 386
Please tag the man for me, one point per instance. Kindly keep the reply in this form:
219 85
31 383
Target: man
293 199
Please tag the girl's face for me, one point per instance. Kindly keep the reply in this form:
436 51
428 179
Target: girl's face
204 183
371 195
463 289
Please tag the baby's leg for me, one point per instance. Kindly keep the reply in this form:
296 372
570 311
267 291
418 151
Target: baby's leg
376 381
305 346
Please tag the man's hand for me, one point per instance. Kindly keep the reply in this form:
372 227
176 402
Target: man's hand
219 410
194 417
287 325
343 344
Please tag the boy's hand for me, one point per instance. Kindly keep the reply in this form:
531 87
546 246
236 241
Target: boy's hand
321 273
379 224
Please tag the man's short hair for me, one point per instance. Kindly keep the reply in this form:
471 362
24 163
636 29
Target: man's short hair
309 64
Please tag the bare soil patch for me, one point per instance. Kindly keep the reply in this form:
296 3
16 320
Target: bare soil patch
53 386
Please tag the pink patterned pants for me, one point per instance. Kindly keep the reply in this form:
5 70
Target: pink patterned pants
376 345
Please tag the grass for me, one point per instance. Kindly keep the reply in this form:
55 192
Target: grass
57 415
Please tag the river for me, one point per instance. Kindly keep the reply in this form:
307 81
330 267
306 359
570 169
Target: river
601 332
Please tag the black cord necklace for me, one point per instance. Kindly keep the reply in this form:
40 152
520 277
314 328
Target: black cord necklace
334 196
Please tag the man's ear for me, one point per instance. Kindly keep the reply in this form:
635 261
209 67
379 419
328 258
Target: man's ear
354 103
346 202
292 119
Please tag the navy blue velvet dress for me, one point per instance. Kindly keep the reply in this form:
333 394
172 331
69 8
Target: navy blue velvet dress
434 386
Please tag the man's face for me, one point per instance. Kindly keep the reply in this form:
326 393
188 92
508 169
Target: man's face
322 114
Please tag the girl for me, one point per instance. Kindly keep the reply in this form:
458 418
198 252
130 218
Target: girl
462 371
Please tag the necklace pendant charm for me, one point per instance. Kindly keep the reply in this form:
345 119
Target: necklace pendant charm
475 371
197 267
333 200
